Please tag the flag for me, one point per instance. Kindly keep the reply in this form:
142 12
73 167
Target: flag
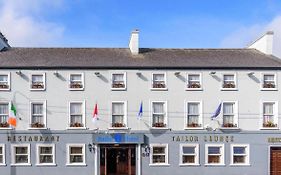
140 112
95 113
217 112
12 120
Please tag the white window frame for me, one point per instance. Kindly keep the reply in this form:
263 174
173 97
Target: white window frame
166 154
235 117
82 80
38 154
125 118
9 81
275 117
165 114
200 117
3 154
44 82
13 154
9 107
44 102
124 80
275 81
200 82
247 154
165 80
222 163
196 154
235 82
83 115
68 163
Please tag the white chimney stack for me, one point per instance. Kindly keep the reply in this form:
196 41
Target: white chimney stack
134 42
264 43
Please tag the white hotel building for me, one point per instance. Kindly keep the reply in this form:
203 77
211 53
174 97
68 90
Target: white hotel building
55 90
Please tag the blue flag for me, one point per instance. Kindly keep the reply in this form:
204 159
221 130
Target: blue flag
217 112
140 111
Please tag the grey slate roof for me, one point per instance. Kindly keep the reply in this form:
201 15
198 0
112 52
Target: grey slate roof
118 58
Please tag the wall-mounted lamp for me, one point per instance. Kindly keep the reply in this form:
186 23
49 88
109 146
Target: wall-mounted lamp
56 73
177 73
138 74
98 74
212 73
251 73
91 147
19 72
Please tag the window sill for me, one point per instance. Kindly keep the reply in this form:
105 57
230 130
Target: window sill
118 128
37 89
23 164
76 89
269 89
229 89
193 128
159 128
229 128
194 89
37 128
76 128
214 164
194 164
3 128
270 128
159 164
159 89
5 89
118 89
46 164
240 164
76 164
3 164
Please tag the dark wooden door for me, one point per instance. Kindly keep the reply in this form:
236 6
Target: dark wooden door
275 161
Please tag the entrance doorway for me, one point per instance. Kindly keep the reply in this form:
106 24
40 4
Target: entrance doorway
117 160
275 161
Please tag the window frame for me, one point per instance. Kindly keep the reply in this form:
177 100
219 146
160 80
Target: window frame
13 154
8 81
152 81
234 79
3 154
125 117
165 114
68 163
200 117
196 154
124 80
38 155
44 103
44 81
275 81
200 82
9 106
275 116
222 155
166 154
83 115
235 115
247 154
82 82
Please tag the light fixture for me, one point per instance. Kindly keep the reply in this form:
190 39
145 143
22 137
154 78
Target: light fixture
91 147
177 73
212 73
19 72
138 74
56 73
98 74
251 73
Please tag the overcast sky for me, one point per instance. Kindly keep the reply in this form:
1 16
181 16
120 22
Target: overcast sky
162 23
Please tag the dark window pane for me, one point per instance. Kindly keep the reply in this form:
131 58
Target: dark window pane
188 159
213 150
239 150
158 159
213 159
188 150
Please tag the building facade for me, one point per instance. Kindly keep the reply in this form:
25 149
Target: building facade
155 111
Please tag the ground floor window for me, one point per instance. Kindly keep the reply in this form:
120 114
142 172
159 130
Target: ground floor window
21 154
240 154
189 154
159 154
46 154
76 154
214 154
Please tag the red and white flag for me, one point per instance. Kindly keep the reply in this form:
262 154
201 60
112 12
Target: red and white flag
95 114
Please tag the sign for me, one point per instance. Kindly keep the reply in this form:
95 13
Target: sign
119 138
205 138
24 138
274 139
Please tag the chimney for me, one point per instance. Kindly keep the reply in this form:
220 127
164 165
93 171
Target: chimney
3 42
134 42
264 43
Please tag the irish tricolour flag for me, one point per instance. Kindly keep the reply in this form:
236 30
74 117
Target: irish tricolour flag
12 120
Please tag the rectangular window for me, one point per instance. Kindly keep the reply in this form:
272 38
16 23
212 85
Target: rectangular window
240 154
77 114
118 81
46 154
21 154
76 81
189 154
4 114
159 81
2 154
269 81
229 81
118 114
4 81
76 154
38 115
229 115
194 81
214 154
269 115
159 114
159 154
193 118
38 82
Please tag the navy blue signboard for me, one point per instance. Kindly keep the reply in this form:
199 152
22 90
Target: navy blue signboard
119 138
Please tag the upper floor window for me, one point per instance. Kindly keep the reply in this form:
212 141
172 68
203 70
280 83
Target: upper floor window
118 81
214 154
270 115
2 154
194 81
76 81
159 154
4 81
4 114
38 115
20 154
269 81
76 154
229 81
159 81
230 118
76 114
189 154
194 117
45 154
119 114
38 81
159 114
239 154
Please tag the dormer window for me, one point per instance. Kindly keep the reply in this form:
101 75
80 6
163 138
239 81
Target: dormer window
76 81
159 81
118 81
37 82
4 82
